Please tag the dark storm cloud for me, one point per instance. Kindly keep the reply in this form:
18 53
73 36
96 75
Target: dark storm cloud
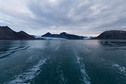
84 17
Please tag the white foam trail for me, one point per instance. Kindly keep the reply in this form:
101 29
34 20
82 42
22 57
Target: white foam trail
121 69
11 51
57 47
60 74
26 77
82 69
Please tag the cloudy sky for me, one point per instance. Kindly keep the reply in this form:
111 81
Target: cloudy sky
82 17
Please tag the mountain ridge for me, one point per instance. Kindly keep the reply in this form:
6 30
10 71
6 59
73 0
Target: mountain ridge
6 33
63 35
112 34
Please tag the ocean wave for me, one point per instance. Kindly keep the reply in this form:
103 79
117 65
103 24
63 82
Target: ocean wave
26 77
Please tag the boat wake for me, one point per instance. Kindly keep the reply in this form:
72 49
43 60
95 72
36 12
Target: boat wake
3 55
61 77
26 77
121 69
85 77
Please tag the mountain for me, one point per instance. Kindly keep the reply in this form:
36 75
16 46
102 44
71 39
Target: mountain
112 34
24 35
7 33
63 35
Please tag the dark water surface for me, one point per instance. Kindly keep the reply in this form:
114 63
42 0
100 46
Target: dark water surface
63 62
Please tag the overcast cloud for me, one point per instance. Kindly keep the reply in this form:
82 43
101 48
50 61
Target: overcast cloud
83 17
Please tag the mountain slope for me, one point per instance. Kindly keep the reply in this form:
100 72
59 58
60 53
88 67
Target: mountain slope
112 34
7 33
23 35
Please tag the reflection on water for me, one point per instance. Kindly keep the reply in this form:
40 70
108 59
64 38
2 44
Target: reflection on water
63 62
114 44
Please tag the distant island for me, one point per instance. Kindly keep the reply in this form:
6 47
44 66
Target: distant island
63 35
7 33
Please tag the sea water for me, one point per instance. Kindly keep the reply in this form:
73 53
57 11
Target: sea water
63 62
